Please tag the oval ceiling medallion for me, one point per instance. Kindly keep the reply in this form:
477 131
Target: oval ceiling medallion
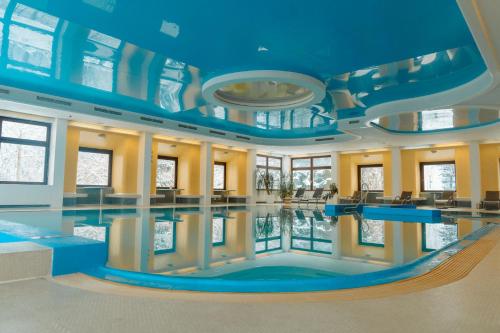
263 90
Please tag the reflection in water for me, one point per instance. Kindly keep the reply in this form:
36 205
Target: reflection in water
225 242
371 232
437 236
164 239
218 231
239 242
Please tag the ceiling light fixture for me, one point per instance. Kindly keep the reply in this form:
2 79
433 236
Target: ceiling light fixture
263 90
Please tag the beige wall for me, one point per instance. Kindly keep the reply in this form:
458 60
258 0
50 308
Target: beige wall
490 177
410 164
411 159
125 157
348 180
236 168
188 173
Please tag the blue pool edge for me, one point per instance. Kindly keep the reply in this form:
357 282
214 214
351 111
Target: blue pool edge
203 284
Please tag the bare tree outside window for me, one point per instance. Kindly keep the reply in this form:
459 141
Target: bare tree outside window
438 236
311 172
166 170
94 167
438 176
218 226
372 232
24 149
219 176
372 176
164 238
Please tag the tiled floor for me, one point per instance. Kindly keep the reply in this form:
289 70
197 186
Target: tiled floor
469 305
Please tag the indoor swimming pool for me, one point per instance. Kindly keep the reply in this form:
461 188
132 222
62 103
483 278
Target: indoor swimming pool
242 249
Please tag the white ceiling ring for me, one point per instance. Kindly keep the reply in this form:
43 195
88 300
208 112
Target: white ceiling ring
264 90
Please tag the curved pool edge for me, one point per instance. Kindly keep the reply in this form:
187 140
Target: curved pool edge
410 270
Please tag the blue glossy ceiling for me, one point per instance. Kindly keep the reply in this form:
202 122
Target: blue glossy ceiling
320 37
151 56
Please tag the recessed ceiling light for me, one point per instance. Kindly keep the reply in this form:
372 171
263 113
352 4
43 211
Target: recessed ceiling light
169 28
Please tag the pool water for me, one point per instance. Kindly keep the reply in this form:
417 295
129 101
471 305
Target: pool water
262 248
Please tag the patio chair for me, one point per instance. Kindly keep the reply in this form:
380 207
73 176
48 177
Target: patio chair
491 200
355 198
447 199
318 216
300 214
299 195
403 199
316 197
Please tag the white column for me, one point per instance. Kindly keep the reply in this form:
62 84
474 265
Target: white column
206 172
144 168
337 240
335 170
251 167
250 235
397 239
286 240
396 171
287 165
205 239
143 240
57 161
475 174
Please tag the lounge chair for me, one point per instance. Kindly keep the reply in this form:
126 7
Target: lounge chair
316 197
300 214
299 195
403 199
491 200
318 216
355 198
447 199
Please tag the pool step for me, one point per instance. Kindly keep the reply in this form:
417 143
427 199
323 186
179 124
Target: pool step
24 260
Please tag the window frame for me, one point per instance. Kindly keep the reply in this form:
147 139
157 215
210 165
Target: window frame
27 142
267 167
424 240
225 176
167 158
265 240
311 238
109 152
223 242
311 168
360 236
422 179
174 239
376 165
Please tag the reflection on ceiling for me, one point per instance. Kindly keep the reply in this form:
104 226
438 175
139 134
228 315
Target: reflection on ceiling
440 120
157 63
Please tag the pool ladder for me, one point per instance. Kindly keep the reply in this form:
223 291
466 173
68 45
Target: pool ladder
362 199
